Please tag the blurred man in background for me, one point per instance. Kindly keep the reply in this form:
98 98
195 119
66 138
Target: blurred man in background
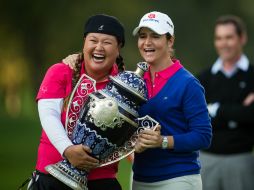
229 83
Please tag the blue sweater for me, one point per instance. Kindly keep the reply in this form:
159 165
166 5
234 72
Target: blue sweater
180 108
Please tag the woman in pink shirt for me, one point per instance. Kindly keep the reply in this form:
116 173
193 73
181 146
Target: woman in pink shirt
167 158
103 39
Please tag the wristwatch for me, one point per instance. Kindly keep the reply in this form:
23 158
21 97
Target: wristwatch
164 144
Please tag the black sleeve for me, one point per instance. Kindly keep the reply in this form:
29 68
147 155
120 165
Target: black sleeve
236 112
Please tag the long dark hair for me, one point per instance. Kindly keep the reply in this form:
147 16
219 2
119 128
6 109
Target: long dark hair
120 63
77 69
75 77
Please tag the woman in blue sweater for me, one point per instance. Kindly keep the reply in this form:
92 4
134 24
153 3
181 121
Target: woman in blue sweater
167 158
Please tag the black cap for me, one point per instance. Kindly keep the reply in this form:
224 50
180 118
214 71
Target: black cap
105 24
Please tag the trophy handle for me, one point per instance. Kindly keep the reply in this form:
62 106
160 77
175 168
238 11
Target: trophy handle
78 97
145 122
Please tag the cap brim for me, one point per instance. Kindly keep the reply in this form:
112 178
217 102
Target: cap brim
136 30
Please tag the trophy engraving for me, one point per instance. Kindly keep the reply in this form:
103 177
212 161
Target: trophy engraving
102 119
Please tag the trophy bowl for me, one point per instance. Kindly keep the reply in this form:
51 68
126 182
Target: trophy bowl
105 120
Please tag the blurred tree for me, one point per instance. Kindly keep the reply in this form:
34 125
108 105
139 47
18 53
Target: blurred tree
47 31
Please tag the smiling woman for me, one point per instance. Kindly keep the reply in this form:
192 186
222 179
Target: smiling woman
103 39
154 47
100 52
167 158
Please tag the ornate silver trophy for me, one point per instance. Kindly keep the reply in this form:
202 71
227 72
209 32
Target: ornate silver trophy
105 120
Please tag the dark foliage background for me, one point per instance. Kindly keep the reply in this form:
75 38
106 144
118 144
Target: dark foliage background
37 34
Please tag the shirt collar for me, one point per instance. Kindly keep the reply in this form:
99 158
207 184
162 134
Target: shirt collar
242 63
166 73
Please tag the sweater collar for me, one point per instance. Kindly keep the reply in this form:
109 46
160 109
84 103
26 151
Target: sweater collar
242 64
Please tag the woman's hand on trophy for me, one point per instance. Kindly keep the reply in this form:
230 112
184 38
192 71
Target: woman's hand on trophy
139 148
70 60
149 138
78 156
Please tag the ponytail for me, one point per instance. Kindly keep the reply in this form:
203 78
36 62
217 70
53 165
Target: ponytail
76 73
75 77
120 63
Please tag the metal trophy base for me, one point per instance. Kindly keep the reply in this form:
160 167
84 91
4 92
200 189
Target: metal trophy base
61 171
77 179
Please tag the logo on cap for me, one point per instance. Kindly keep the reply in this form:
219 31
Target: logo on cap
170 24
151 15
101 27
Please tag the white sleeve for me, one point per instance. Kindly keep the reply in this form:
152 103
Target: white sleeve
50 117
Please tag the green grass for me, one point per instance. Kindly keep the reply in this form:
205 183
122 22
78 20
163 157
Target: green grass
19 139
124 174
18 143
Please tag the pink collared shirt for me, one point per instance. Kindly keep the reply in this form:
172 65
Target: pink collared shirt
57 83
160 78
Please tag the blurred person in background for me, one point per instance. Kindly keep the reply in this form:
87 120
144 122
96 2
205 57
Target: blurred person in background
229 84
103 39
167 158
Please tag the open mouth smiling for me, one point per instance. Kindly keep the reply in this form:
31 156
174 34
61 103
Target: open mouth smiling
98 57
148 50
